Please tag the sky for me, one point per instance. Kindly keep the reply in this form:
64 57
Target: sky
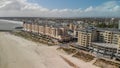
59 8
71 4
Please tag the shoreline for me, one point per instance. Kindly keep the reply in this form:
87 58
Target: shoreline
45 53
97 59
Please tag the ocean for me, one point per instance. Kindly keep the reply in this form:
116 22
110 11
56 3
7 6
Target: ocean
9 25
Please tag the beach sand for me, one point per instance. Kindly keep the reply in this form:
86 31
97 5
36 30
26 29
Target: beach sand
17 52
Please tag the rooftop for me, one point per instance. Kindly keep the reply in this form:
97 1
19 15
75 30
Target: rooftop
49 23
109 29
88 29
106 45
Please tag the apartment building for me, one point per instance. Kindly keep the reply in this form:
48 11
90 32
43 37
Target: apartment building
41 29
105 36
110 36
102 36
86 37
115 38
27 27
54 30
103 41
75 26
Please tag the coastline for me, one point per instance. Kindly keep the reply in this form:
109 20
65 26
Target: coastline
39 53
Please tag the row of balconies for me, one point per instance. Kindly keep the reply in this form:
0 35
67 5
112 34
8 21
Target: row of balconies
57 33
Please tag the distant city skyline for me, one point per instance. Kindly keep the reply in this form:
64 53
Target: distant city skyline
59 8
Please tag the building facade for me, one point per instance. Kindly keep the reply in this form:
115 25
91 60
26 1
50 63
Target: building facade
106 42
99 35
86 37
53 30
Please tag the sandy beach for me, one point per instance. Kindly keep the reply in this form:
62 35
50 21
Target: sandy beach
17 52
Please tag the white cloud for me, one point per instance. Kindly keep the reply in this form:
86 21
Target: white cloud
89 9
24 8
